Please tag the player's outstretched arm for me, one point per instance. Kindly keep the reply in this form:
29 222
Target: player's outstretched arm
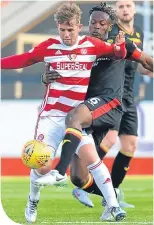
145 60
144 71
17 61
116 51
137 55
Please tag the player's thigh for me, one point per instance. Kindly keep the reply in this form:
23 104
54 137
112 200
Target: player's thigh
50 130
106 113
81 115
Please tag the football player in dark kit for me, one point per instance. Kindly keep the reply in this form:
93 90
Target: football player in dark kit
103 106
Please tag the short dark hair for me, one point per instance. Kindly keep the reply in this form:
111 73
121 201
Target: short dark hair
103 7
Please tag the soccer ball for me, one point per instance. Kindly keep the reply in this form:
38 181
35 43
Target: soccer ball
35 154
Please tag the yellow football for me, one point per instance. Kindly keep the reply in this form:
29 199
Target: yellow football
35 154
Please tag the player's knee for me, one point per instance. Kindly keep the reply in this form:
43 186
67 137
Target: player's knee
112 142
133 147
79 117
130 148
72 118
109 141
77 181
110 138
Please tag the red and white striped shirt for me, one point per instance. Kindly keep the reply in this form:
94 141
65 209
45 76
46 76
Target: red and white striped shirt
73 63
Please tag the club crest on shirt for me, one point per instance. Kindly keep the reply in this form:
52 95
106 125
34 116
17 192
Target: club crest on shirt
83 51
72 57
138 34
110 41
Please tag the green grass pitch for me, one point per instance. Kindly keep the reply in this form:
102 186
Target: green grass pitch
57 206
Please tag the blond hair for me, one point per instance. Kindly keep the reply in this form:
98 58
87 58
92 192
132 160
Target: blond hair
67 12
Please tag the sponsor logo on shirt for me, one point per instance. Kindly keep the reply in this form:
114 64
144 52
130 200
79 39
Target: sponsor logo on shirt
71 66
99 60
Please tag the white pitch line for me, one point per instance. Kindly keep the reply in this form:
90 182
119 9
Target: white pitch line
84 222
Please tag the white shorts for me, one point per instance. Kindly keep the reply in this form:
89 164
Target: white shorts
51 130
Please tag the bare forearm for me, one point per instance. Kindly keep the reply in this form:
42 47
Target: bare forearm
145 60
148 65
144 71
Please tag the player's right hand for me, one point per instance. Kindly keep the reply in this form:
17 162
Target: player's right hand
49 76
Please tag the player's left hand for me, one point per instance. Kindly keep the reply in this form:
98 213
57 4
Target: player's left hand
49 76
120 38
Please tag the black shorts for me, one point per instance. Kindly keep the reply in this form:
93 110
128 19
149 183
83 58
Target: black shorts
129 121
106 113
